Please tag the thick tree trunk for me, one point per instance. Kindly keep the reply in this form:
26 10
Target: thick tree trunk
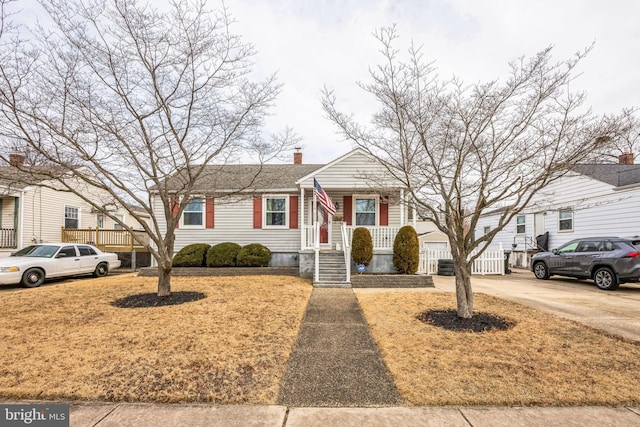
164 278
464 294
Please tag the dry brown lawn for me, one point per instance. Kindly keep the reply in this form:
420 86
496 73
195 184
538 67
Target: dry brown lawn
66 341
543 360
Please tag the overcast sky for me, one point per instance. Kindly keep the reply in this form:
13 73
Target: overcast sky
329 42
315 43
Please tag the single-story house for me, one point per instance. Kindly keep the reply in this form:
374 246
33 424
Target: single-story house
591 200
31 211
276 207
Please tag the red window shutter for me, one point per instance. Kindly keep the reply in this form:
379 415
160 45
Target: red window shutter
175 208
210 212
293 211
257 212
384 210
347 215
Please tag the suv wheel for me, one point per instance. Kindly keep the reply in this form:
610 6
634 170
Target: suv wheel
606 279
541 271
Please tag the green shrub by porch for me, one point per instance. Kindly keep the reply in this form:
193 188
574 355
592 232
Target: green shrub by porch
361 246
406 250
253 255
223 254
191 255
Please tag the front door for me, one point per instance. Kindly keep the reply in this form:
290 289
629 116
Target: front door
325 223
323 219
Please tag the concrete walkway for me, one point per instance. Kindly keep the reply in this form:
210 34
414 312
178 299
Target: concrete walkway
335 361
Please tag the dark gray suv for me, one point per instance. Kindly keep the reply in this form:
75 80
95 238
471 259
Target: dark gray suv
609 261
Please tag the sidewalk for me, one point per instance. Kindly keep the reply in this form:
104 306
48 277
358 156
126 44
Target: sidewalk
139 415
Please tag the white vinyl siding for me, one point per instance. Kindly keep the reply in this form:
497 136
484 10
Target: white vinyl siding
234 223
597 210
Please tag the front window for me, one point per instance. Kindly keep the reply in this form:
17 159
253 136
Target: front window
193 214
71 217
521 224
275 211
100 221
117 226
486 229
365 211
565 220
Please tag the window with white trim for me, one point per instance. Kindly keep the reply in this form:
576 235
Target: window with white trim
100 221
365 210
117 226
275 211
521 224
71 217
193 214
486 229
565 220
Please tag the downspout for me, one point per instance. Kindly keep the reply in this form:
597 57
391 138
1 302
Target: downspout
21 221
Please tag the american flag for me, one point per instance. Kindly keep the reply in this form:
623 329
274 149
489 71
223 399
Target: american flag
324 200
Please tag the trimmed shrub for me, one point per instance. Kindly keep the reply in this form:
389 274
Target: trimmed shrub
191 255
223 254
361 246
253 255
406 250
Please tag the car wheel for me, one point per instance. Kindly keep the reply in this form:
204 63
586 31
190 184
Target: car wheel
541 271
101 270
606 279
32 278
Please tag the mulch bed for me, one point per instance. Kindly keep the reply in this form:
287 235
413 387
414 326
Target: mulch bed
153 300
480 322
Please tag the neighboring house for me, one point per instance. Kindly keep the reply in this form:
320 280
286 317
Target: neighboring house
31 212
277 208
592 200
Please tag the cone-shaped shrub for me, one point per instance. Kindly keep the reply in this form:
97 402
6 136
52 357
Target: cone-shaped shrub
191 255
253 255
406 250
361 246
223 254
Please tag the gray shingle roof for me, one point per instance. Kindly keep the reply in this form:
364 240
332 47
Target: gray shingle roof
220 178
613 174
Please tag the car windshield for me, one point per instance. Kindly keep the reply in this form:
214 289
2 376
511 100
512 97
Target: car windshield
45 251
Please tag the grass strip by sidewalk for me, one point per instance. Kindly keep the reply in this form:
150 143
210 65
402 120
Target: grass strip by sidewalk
543 360
66 341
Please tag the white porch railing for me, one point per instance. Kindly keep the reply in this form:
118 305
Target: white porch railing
346 247
490 262
382 237
309 236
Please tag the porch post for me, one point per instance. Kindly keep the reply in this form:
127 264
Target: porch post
402 207
303 233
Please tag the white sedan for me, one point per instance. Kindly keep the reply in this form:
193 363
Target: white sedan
33 264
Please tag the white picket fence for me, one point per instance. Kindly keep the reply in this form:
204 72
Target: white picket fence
490 262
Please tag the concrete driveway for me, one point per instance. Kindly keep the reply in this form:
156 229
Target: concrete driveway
616 312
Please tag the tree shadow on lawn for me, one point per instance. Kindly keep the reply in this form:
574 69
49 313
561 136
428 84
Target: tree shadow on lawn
153 300
480 322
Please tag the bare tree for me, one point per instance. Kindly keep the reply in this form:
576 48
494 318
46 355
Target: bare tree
121 96
465 149
625 141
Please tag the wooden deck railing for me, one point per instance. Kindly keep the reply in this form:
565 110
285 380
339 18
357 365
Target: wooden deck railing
112 240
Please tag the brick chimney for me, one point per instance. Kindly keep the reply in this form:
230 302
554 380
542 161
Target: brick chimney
625 158
16 159
297 156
